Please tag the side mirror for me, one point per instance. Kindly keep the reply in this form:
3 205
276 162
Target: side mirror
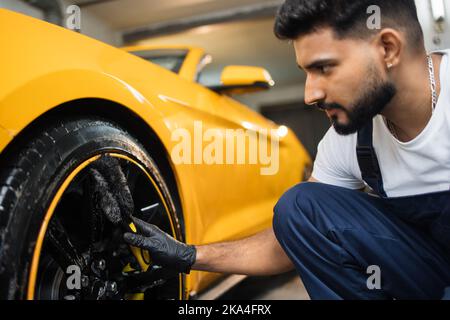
243 79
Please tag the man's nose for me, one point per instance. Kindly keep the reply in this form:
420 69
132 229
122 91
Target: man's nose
314 92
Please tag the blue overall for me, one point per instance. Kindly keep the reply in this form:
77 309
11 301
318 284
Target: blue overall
333 235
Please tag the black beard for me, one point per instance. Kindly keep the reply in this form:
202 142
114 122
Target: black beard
372 103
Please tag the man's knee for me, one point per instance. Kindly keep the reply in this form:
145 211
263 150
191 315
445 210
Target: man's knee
295 207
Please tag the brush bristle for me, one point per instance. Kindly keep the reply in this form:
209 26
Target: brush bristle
110 168
103 199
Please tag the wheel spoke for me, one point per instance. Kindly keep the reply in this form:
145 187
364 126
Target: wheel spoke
152 278
65 253
131 176
149 212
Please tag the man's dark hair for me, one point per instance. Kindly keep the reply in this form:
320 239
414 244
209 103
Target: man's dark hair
348 18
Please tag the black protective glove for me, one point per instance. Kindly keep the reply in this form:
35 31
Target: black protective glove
164 250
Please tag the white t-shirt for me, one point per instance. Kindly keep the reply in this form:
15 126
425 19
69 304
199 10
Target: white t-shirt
417 167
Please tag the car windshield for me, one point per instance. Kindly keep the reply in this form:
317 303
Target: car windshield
169 59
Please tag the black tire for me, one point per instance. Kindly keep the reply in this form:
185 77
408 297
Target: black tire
31 176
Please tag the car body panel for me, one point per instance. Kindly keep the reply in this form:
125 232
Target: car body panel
45 66
5 136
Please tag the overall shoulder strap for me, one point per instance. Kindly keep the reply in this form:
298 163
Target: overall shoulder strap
368 161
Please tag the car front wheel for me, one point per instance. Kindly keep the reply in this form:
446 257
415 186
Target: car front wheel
55 242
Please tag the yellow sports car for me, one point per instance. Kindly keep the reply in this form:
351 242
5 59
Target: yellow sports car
195 162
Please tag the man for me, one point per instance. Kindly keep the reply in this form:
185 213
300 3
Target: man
389 104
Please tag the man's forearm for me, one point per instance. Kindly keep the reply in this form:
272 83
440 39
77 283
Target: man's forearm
258 255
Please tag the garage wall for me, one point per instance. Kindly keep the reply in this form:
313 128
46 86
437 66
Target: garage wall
426 19
91 25
95 27
21 7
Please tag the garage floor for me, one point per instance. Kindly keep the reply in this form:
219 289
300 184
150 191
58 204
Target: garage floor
283 287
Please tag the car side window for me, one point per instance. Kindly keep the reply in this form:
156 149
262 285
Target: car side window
171 60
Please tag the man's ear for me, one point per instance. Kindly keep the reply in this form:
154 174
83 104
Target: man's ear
391 44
